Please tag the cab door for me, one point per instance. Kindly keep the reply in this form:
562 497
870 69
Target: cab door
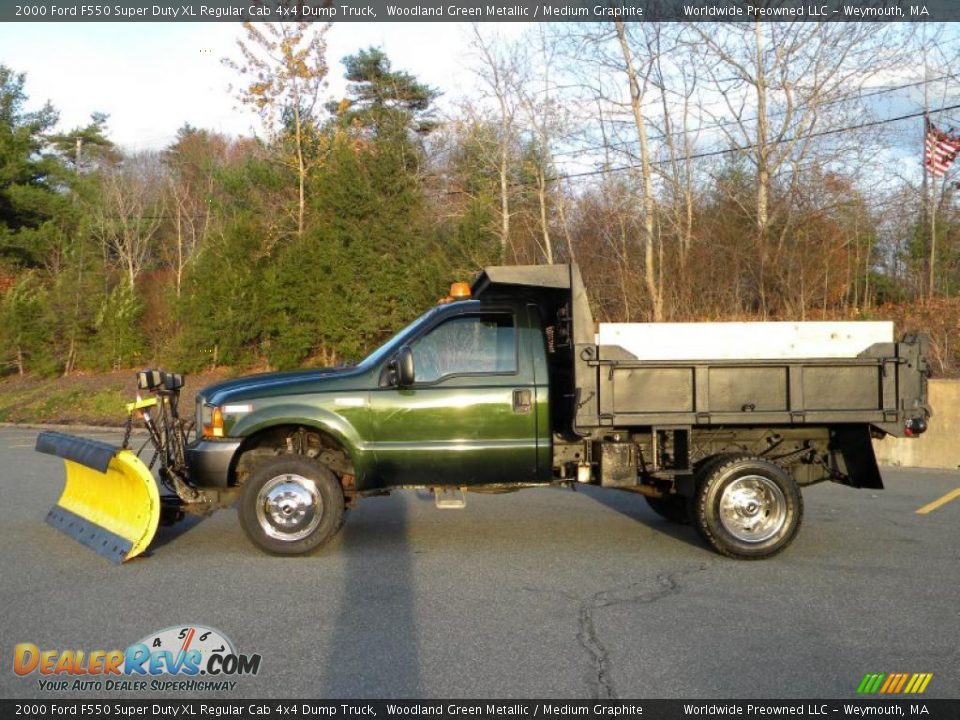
470 417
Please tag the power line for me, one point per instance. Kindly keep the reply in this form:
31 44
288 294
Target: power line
726 151
779 113
714 153
946 41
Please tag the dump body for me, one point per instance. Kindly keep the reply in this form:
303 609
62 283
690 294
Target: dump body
759 375
648 415
880 387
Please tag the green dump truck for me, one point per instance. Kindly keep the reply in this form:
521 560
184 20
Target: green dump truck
510 384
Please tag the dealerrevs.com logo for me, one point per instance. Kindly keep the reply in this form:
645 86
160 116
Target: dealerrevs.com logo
202 658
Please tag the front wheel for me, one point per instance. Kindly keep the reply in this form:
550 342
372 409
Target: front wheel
747 507
291 505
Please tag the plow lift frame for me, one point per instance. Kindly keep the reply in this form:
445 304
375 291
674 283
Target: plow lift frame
110 501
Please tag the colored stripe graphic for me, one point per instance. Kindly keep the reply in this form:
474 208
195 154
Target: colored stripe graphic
870 683
894 683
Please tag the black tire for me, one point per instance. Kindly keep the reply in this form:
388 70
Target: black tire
674 508
291 505
747 507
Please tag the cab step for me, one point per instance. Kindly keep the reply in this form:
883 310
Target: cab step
450 498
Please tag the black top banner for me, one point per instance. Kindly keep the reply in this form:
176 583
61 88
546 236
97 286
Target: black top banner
481 11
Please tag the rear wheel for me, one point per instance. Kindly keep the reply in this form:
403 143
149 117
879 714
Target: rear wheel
674 508
747 507
291 505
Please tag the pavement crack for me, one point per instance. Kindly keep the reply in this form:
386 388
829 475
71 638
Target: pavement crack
600 680
601 684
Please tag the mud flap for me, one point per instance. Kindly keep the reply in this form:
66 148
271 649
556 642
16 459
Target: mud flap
853 458
110 501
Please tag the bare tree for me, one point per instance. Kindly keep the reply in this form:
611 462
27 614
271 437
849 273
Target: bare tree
611 71
542 113
287 66
638 81
192 162
132 210
675 75
780 86
500 72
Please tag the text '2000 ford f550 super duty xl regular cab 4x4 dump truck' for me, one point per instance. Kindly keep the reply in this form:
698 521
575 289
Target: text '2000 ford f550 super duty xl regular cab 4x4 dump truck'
509 384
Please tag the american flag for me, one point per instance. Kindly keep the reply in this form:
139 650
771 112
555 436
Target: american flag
940 150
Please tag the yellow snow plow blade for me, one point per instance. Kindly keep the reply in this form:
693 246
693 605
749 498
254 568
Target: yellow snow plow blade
110 502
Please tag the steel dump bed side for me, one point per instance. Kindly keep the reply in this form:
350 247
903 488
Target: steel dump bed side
881 387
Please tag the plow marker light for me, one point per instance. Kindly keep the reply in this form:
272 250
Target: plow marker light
110 501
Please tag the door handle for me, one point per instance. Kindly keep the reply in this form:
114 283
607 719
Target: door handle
522 401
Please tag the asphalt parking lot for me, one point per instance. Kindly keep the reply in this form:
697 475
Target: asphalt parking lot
537 594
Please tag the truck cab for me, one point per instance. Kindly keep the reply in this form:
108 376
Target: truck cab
460 397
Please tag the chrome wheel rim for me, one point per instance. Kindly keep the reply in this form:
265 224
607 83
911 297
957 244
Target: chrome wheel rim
289 507
753 509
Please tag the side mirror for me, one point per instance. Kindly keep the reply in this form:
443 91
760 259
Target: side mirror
404 362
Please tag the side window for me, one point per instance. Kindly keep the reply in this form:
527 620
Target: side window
470 344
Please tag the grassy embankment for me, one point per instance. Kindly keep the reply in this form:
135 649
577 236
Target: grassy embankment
88 399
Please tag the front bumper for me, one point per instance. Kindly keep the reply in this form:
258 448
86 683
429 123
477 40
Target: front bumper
210 461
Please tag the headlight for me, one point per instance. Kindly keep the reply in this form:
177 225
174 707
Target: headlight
210 420
210 417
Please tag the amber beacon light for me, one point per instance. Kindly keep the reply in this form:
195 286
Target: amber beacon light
460 291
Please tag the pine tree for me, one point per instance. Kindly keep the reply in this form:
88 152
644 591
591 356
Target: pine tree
29 173
383 100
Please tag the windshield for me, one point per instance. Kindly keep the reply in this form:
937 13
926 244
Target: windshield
394 343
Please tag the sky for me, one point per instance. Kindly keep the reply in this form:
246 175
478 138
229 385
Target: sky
151 78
